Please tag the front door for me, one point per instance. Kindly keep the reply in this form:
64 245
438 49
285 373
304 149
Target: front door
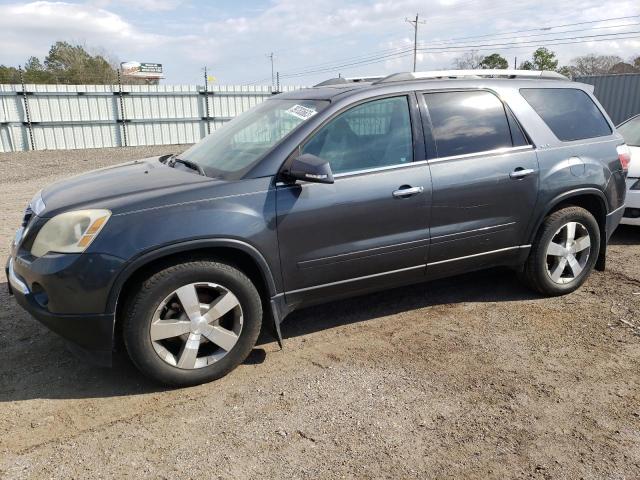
370 227
485 180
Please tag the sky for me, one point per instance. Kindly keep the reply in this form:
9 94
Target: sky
313 40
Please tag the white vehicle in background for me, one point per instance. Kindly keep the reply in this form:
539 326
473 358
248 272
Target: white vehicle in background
630 130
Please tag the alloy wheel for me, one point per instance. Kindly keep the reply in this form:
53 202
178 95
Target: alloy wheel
568 252
196 325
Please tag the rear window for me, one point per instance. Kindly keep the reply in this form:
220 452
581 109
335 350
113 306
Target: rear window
568 112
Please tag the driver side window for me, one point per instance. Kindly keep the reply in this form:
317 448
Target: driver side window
371 135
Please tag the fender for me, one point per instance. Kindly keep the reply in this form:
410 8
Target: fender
150 255
600 265
561 198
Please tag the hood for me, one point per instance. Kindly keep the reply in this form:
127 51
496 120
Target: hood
125 187
634 166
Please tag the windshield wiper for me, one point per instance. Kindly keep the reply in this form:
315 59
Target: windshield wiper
188 163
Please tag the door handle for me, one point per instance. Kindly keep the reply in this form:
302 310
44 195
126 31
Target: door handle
407 192
521 172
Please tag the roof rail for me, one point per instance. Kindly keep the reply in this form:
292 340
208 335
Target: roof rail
442 74
343 80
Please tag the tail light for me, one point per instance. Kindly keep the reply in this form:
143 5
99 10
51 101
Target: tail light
624 155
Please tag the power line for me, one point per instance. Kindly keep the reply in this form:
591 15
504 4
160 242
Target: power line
459 48
399 52
539 28
447 42
582 37
507 46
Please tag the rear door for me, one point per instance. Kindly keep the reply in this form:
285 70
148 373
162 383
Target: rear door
485 179
369 228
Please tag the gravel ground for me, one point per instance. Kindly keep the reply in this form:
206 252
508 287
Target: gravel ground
470 377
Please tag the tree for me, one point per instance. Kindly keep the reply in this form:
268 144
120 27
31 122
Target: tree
468 61
543 59
567 71
9 74
34 72
495 60
635 61
592 64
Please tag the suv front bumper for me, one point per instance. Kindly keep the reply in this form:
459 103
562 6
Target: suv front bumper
89 335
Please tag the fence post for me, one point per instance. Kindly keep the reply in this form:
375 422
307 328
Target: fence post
206 100
26 110
122 112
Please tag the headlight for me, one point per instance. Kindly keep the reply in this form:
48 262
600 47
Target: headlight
70 232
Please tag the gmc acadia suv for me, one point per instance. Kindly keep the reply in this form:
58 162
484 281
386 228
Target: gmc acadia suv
319 194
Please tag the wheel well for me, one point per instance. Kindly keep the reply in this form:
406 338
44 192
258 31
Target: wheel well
232 256
594 205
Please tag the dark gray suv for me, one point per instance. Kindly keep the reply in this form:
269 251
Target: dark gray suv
319 194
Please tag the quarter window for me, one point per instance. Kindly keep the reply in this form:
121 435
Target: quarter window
468 122
568 112
370 135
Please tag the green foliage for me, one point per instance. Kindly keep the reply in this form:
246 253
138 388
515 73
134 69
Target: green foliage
543 59
66 64
9 74
495 60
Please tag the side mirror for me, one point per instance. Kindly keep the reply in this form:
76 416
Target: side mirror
310 168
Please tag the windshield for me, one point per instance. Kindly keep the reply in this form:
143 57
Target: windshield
231 151
630 130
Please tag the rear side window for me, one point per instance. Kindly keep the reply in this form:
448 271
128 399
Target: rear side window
468 122
568 112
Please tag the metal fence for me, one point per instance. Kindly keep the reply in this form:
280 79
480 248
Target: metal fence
55 117
618 94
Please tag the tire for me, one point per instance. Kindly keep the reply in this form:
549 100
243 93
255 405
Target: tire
566 257
186 301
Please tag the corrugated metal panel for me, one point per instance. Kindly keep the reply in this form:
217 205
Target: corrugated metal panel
618 94
90 116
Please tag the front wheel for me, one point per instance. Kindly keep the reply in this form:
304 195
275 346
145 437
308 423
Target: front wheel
192 322
564 252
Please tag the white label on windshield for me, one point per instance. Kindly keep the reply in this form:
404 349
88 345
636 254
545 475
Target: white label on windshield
301 112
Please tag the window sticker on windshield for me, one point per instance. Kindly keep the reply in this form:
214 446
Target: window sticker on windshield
301 112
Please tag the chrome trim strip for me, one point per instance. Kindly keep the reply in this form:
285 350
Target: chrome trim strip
355 279
15 281
472 231
497 151
381 169
478 255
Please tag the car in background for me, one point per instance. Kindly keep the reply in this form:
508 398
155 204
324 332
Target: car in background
630 130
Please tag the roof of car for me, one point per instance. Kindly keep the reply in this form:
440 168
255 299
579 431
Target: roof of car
331 92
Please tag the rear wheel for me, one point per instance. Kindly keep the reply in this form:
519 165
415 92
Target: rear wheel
564 252
192 323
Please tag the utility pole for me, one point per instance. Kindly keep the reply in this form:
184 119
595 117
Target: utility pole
272 77
415 24
515 63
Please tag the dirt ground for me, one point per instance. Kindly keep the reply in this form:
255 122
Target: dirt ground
470 377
